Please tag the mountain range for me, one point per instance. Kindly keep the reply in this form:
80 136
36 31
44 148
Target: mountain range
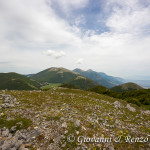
101 78
78 78
64 76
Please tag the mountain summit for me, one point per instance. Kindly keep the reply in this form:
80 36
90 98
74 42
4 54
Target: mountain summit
126 87
64 76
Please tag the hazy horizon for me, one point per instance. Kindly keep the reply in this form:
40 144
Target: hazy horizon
128 78
109 36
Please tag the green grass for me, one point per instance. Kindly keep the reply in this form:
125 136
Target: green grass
50 86
19 122
67 105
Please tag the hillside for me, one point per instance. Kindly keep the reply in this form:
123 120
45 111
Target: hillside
126 87
64 76
83 83
101 78
70 119
139 97
14 81
114 80
143 83
99 89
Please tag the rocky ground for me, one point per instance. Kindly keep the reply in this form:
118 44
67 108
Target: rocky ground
61 119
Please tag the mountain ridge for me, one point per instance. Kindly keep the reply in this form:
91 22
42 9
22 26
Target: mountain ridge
126 87
101 78
15 81
64 76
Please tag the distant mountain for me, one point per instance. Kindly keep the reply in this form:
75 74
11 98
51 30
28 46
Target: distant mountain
126 87
29 75
115 80
14 81
64 76
101 78
143 83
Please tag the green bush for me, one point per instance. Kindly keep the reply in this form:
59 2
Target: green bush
145 100
133 101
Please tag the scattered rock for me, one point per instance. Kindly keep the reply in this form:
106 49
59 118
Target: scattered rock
9 101
131 108
117 104
64 145
18 144
16 141
13 129
66 132
99 120
111 148
23 149
77 132
77 123
147 112
5 133
64 125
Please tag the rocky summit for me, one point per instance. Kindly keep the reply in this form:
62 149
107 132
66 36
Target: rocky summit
71 119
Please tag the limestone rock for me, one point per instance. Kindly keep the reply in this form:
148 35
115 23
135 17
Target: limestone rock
131 108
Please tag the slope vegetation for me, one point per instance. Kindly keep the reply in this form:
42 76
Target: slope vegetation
138 97
126 87
101 78
61 118
64 76
14 81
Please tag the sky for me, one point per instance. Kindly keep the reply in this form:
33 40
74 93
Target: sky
111 36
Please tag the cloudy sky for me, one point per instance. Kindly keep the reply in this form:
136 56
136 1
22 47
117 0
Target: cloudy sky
111 36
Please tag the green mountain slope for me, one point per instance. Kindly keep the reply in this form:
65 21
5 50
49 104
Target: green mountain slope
101 78
14 81
55 75
138 97
99 89
62 75
83 83
126 87
114 80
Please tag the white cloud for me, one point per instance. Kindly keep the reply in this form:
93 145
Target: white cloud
54 53
27 27
80 61
33 22
129 16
